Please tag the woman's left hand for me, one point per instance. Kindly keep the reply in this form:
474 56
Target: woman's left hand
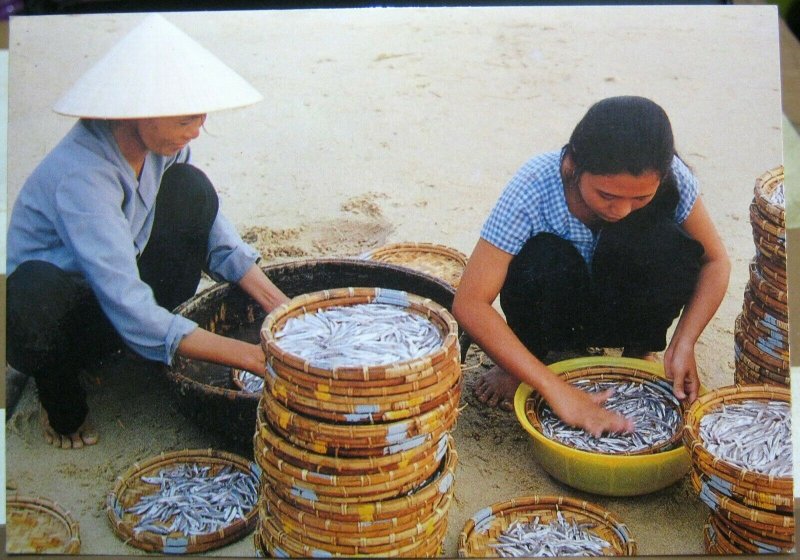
681 368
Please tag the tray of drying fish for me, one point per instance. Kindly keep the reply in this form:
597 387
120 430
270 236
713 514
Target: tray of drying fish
185 502
214 396
312 333
544 526
650 459
739 439
431 258
36 525
729 420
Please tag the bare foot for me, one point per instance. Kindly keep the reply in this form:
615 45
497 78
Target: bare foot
84 435
634 352
497 388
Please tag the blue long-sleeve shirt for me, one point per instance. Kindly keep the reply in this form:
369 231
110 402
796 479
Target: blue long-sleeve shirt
83 210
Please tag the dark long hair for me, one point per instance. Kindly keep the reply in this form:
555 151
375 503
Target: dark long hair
625 134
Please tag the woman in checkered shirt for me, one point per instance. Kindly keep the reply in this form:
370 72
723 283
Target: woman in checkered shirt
602 243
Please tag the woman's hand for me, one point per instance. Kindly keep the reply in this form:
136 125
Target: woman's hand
584 410
681 368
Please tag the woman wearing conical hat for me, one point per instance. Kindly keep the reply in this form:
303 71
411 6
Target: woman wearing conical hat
114 227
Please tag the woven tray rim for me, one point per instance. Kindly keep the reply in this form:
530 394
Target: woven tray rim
625 546
52 509
325 462
765 184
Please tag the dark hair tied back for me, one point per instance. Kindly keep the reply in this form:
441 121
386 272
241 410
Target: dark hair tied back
624 134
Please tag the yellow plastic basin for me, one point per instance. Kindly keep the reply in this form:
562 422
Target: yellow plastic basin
608 475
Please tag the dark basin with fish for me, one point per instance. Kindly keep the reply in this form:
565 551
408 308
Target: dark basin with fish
206 393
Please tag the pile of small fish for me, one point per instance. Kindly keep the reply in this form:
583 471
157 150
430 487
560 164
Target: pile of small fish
654 411
368 334
191 501
755 435
251 383
557 538
778 196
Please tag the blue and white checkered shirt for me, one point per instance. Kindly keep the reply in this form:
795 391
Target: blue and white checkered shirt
534 202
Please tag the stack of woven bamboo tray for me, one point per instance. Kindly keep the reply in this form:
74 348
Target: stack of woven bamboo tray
762 330
356 460
751 508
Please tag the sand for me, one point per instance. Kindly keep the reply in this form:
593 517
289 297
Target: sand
404 125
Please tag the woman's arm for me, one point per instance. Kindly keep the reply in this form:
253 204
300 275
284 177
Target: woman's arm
261 289
204 345
679 359
473 308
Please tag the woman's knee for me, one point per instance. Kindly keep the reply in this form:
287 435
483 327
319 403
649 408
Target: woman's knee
41 298
547 262
185 186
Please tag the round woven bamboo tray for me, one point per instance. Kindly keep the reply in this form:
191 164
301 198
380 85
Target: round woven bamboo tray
766 501
283 545
765 186
37 525
762 306
721 541
335 487
763 523
748 541
483 529
129 488
535 402
330 435
338 408
768 303
204 391
761 285
311 533
325 524
265 454
412 303
770 359
765 226
320 462
774 273
310 409
429 492
437 260
414 381
713 466
333 435
301 541
349 450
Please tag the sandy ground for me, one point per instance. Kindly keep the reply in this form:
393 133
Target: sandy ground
404 125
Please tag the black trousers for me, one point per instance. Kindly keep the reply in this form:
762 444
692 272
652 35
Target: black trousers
55 326
643 272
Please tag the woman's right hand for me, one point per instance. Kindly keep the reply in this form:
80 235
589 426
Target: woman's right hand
585 410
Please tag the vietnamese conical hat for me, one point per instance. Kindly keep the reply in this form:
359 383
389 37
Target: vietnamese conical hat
156 70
